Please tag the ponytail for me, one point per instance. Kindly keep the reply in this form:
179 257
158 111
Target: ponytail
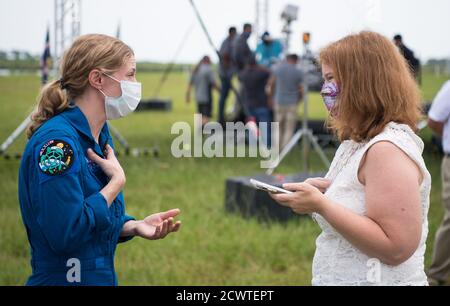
52 101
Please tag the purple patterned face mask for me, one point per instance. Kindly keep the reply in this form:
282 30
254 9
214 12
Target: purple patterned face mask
330 92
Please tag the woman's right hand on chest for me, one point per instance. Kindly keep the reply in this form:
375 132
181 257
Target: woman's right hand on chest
110 165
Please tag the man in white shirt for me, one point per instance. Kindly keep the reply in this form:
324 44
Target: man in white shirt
439 122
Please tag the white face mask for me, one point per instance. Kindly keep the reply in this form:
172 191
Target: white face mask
125 104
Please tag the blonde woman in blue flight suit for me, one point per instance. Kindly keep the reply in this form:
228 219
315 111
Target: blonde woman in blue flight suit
70 181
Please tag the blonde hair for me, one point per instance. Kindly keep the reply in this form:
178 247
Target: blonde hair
376 85
88 52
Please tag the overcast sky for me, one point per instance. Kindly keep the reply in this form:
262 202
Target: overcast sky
155 28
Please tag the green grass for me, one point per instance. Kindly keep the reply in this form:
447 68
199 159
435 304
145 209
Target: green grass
213 247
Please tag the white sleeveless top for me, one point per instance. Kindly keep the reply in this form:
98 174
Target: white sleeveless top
336 261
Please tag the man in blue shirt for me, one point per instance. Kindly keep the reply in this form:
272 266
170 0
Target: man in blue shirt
269 51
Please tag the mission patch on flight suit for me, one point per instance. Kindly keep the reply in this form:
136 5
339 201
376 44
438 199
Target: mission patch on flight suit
56 157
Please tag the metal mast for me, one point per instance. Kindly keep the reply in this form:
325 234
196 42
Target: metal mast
261 17
67 26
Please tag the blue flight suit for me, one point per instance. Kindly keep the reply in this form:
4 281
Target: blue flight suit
63 211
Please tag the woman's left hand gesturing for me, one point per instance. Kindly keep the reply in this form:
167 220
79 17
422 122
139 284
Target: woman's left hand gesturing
158 226
305 199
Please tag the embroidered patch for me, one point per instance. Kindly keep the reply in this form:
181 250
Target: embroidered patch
56 157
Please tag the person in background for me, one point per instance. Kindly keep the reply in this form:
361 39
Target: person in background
204 82
254 80
226 70
408 54
241 51
439 122
241 56
286 87
269 51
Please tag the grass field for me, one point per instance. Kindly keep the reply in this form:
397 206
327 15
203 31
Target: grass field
213 247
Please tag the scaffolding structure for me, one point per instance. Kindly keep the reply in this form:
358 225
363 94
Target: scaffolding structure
67 27
261 17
